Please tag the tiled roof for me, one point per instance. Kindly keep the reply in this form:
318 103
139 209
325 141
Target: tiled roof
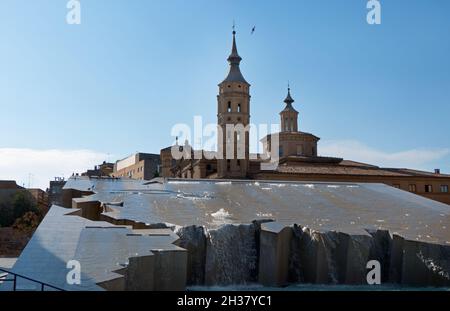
413 172
335 170
348 167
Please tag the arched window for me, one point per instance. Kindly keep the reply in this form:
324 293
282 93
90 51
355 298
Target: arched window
229 107
239 107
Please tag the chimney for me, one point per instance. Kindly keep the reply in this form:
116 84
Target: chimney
437 171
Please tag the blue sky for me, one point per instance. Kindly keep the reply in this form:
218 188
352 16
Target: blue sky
118 82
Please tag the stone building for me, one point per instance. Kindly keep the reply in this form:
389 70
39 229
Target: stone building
142 166
9 188
298 152
55 191
102 170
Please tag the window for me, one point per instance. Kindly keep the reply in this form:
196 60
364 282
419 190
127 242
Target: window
396 186
228 165
444 188
208 167
428 188
280 151
299 150
313 151
229 107
238 162
239 107
412 188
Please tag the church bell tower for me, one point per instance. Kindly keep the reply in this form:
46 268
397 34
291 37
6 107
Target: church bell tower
289 116
233 114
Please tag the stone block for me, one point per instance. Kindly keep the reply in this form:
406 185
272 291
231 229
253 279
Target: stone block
89 209
274 253
425 264
231 255
139 275
170 270
193 239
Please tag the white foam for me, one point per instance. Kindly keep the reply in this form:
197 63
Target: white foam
264 215
221 214
223 183
174 182
277 185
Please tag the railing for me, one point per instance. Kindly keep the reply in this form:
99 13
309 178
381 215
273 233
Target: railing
16 276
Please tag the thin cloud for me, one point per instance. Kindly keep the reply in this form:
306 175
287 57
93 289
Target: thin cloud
35 168
357 151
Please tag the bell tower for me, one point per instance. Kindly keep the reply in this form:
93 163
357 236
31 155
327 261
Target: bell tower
289 116
233 119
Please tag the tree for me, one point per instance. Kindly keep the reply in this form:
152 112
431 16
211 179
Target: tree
22 202
6 214
27 223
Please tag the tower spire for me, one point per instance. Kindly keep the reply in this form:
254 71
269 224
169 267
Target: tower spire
289 99
234 60
289 116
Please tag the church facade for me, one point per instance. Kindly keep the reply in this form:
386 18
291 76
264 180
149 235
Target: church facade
297 151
